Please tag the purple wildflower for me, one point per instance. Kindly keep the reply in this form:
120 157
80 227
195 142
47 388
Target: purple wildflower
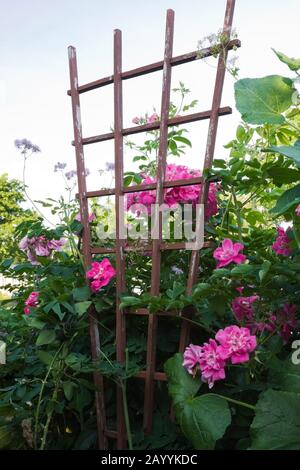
59 166
25 145
109 166
176 270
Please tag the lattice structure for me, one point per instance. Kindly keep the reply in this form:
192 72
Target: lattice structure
150 375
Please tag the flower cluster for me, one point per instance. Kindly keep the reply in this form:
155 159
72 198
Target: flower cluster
39 246
92 217
281 246
25 145
242 307
31 302
175 195
59 166
100 274
235 345
284 321
145 120
228 253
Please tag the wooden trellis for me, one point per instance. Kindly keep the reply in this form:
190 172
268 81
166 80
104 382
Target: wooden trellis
150 375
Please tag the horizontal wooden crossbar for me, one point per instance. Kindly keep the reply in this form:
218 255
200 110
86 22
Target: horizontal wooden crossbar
155 67
152 126
160 376
149 187
99 250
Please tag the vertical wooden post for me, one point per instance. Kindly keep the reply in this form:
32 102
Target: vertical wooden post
156 254
209 155
120 263
86 238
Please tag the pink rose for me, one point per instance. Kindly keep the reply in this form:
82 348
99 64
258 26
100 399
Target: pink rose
236 344
211 363
31 302
100 274
154 117
281 245
191 358
229 253
242 307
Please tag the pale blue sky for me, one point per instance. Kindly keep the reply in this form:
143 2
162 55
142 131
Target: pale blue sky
34 36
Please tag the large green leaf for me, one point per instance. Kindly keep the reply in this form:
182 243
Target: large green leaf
284 175
82 307
263 100
181 385
204 420
285 375
293 64
287 200
277 421
290 151
45 337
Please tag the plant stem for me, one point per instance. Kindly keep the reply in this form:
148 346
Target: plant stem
45 433
236 402
238 216
125 404
126 415
41 395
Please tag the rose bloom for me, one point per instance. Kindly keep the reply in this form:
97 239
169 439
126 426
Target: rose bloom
236 344
100 274
228 253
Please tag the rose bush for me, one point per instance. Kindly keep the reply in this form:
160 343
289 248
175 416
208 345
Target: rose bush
237 384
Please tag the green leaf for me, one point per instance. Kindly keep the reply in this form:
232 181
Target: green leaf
33 322
68 388
285 375
264 270
82 307
284 175
243 270
182 139
176 290
277 421
288 199
181 384
262 100
128 301
204 420
240 133
128 180
45 357
45 337
290 151
293 64
81 293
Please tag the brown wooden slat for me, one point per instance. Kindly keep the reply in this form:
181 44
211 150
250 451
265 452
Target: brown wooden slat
160 376
101 250
111 434
156 254
86 239
120 263
176 121
148 187
154 67
209 154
